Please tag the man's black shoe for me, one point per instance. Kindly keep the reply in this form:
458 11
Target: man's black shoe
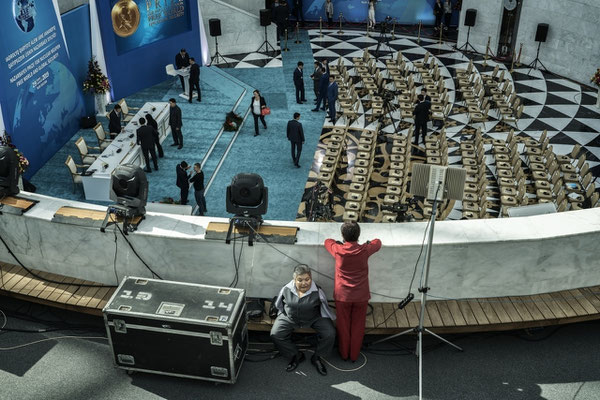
148 170
295 361
180 147
315 110
156 168
297 165
316 361
175 144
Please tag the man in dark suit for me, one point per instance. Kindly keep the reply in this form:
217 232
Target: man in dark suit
145 139
280 16
114 123
316 77
182 60
421 115
323 84
175 123
298 11
332 95
299 83
194 79
295 135
182 181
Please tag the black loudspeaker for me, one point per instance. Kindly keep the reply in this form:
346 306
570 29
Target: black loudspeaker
214 25
265 17
541 32
470 17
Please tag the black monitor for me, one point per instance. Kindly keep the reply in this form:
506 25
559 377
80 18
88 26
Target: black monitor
9 172
129 188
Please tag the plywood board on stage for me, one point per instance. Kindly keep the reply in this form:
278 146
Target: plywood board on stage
87 217
16 205
272 234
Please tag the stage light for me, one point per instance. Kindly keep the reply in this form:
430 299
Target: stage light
247 198
129 189
9 172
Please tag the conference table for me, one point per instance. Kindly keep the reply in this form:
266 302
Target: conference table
123 150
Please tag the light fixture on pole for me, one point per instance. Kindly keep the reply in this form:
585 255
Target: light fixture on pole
435 183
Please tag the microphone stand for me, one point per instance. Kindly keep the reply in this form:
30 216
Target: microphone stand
423 290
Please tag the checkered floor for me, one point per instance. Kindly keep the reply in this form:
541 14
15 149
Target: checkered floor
271 59
567 110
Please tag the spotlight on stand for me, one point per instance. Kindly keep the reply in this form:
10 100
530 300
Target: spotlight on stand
9 172
129 190
247 198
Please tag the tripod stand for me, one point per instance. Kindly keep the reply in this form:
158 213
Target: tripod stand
536 61
218 56
268 46
467 45
423 289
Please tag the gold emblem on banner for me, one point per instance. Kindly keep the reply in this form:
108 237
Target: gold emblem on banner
125 17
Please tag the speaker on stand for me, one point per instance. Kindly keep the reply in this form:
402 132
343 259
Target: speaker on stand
540 36
214 26
470 17
265 20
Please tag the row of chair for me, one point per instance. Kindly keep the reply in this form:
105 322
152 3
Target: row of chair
397 183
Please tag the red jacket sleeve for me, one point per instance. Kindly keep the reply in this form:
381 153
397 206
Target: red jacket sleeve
373 246
329 245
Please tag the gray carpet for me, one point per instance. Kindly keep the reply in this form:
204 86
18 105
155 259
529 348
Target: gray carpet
551 363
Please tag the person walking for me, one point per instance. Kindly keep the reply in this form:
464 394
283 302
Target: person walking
329 13
182 181
447 14
145 139
295 135
316 77
351 287
371 23
299 83
257 106
198 181
175 123
438 12
150 121
332 95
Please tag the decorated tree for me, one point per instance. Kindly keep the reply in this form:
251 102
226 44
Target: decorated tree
596 78
95 82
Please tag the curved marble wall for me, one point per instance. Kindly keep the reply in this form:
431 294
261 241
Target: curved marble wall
478 258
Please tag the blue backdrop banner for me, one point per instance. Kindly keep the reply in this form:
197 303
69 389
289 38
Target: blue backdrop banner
41 102
405 11
137 23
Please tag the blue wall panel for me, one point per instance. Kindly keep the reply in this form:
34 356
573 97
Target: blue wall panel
145 66
76 24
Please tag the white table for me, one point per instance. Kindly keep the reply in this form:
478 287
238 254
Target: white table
185 73
123 150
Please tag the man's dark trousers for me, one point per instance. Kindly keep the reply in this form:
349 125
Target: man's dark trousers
296 151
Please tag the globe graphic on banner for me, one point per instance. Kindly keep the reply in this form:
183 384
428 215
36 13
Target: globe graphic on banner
48 116
24 13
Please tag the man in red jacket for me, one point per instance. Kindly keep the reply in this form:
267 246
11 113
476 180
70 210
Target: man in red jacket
351 292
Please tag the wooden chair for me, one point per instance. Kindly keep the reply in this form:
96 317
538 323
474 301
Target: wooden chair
75 174
86 157
566 159
127 116
103 142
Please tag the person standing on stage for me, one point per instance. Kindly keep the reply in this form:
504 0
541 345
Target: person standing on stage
438 12
194 79
351 287
295 135
114 123
183 181
175 123
299 12
182 60
299 83
447 14
421 116
198 181
145 139
329 13
371 23
150 121
301 303
257 105
316 76
332 95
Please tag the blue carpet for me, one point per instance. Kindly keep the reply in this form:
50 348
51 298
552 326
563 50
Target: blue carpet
267 154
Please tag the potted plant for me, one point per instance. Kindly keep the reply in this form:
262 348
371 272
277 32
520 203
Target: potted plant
97 83
23 161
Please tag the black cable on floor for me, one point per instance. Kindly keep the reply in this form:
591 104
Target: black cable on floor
136 253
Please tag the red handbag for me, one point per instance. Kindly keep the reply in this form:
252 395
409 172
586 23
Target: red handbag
265 111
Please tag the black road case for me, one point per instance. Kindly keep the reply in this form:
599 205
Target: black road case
179 329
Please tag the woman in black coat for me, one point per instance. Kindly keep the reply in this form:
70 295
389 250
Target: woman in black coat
152 122
256 106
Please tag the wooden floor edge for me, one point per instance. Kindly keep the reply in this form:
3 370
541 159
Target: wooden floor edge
64 306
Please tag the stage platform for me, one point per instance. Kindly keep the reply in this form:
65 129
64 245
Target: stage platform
443 316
